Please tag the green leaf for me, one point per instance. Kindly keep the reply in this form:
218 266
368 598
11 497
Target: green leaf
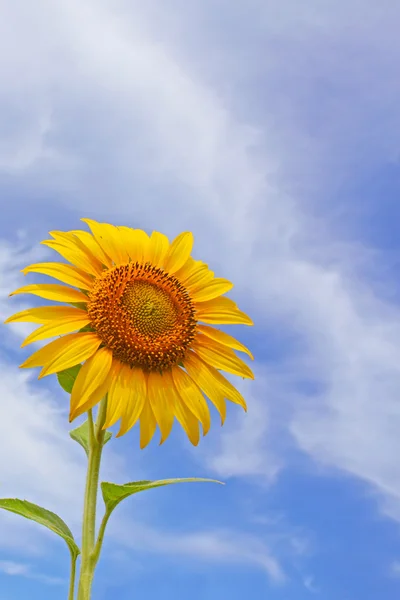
67 378
86 328
81 435
81 305
43 517
114 493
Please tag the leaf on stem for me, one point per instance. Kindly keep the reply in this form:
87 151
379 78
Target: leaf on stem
67 377
114 493
81 435
43 517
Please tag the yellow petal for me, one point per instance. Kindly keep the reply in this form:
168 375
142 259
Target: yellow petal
184 416
63 353
109 239
221 311
136 398
136 242
91 244
147 425
60 235
118 394
89 260
93 399
161 401
158 248
69 249
201 375
53 291
194 274
91 376
126 397
179 252
221 383
229 391
65 273
199 279
211 290
192 397
224 339
220 357
42 314
58 327
188 268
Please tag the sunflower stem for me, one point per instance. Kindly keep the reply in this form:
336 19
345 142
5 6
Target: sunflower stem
91 426
71 591
100 537
88 560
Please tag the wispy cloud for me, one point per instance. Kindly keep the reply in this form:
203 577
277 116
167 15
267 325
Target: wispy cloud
395 568
222 546
310 585
16 569
245 447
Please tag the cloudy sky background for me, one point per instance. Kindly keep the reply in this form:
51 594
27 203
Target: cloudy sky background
271 130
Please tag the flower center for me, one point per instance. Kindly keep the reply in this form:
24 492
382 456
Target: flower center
152 309
143 315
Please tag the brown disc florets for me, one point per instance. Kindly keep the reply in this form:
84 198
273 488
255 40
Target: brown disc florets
143 315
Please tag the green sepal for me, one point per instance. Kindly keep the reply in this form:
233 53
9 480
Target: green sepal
87 327
81 435
67 377
43 517
114 493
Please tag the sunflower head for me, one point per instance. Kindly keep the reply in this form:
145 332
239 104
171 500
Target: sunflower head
138 312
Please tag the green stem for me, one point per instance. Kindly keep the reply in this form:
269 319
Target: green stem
100 537
71 594
96 442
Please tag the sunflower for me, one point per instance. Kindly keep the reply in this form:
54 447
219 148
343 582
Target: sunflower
140 318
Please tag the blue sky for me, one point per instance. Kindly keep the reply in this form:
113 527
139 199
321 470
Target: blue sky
271 130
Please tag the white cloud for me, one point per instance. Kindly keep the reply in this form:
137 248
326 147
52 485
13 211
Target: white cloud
9 567
245 448
351 422
13 568
220 546
33 431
